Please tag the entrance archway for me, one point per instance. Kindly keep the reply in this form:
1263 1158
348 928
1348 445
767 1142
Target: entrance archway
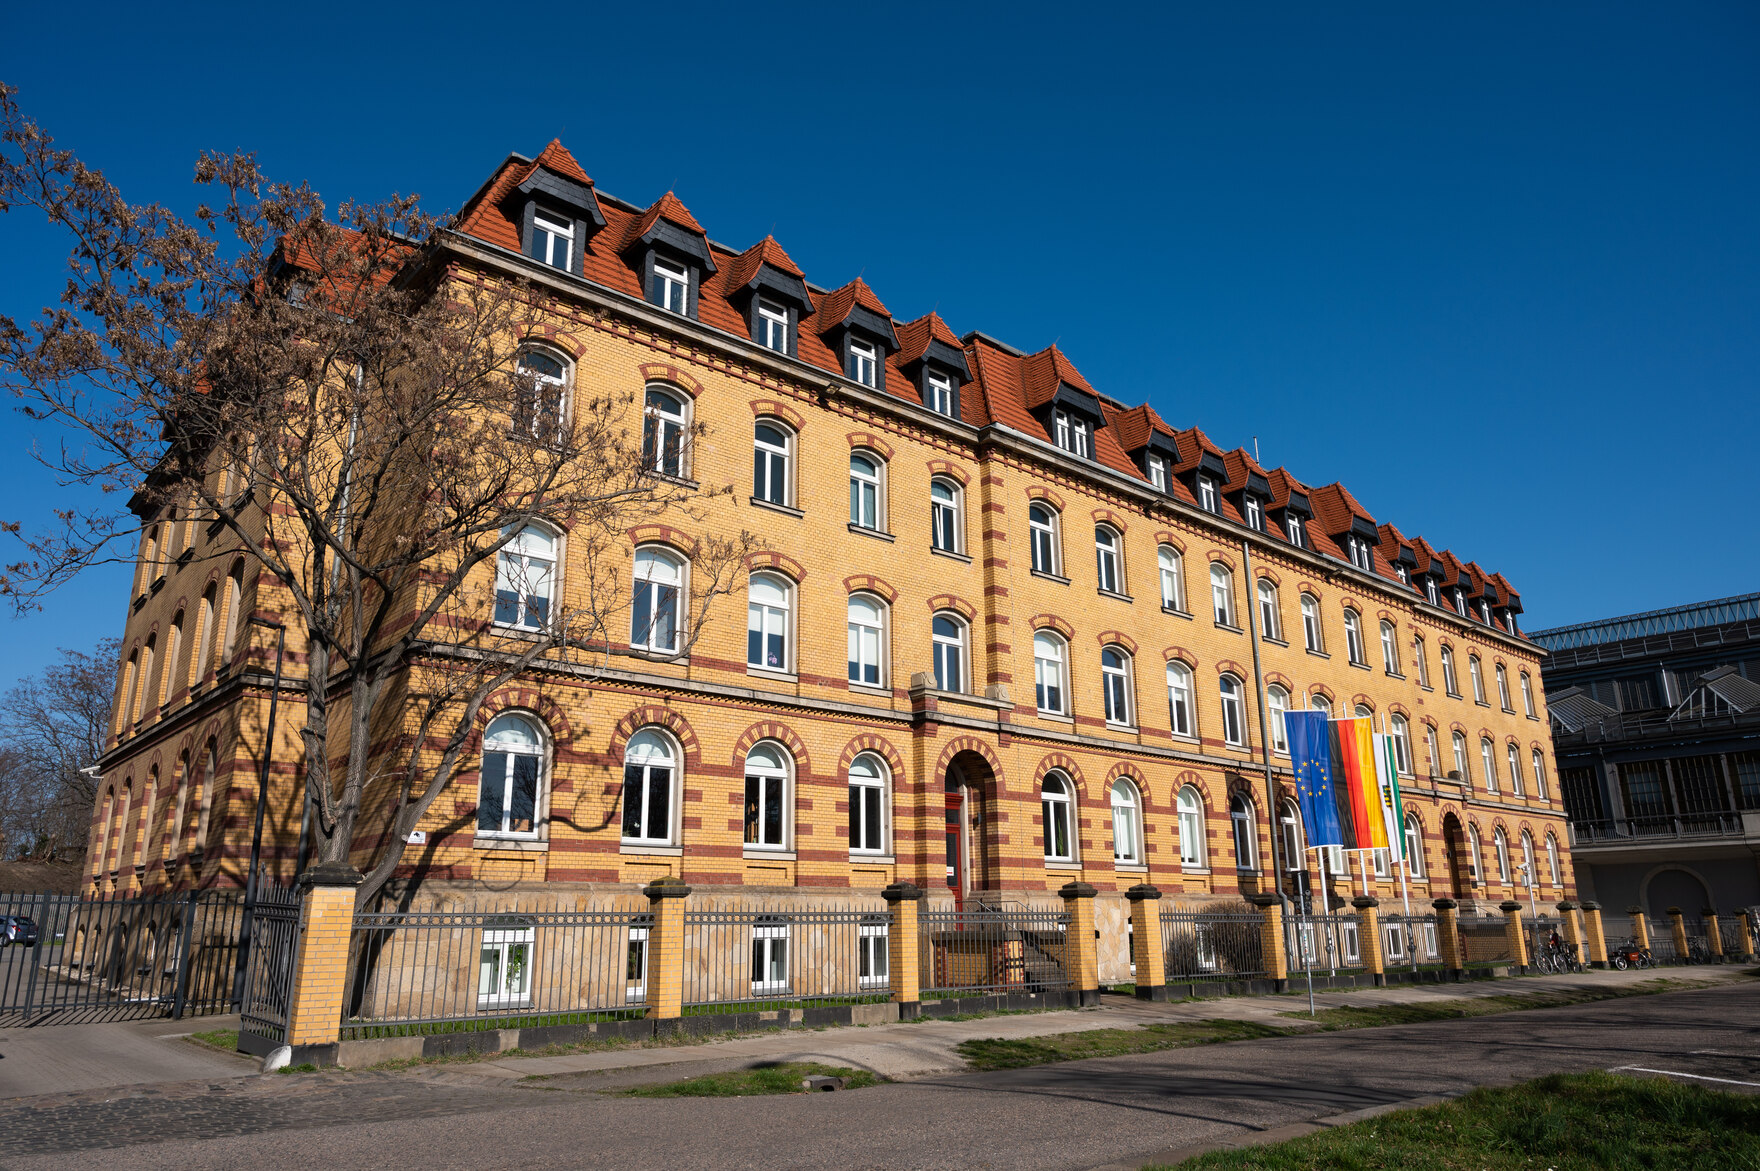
1674 887
971 851
1460 876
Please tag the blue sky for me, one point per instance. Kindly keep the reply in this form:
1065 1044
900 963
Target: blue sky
1494 266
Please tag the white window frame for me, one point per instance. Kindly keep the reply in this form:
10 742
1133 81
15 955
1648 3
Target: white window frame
1244 832
1108 559
782 792
1414 847
1312 633
1476 673
867 491
1389 648
1276 705
943 645
1528 696
1057 817
1234 731
556 231
1474 846
635 966
867 640
1418 658
1127 823
1353 638
864 363
1270 625
1538 760
1171 564
1500 845
861 817
1051 670
1512 756
1401 732
538 409
649 591
769 951
504 943
1553 870
1043 539
1292 523
946 532
514 752
665 445
525 567
1255 513
1450 681
648 765
940 394
672 286
1193 848
1433 747
1503 695
1182 716
1222 594
1458 742
772 326
1488 760
1071 433
773 621
1116 687
1430 593
773 463
1157 472
873 967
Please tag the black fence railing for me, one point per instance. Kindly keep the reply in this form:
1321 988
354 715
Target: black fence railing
1331 942
1213 946
737 961
268 981
1485 940
1409 941
1678 825
1002 950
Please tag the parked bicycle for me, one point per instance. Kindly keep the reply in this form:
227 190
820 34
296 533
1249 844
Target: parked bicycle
1629 955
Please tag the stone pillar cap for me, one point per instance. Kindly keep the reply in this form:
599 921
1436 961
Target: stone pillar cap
1364 902
1077 890
332 874
1634 910
1674 911
1709 912
1509 905
667 888
1444 904
1141 892
1567 905
1265 900
1590 905
901 892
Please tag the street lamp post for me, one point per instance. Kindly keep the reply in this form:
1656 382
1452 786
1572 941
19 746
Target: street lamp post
254 876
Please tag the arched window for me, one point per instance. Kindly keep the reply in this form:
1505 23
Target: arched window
1290 820
1474 850
949 638
1269 626
865 476
513 765
867 640
1488 758
1389 649
1431 748
538 397
1449 683
1173 577
1042 526
1419 660
173 644
945 530
177 834
125 693
1246 839
1478 677
1503 688
1276 704
524 574
1514 757
1353 637
1530 876
1191 828
1320 704
654 602
767 622
204 797
1222 593
1552 861
1501 845
1538 760
1402 743
1363 711
768 803
1311 623
1460 758
143 702
1414 848
1179 699
201 665
650 777
867 804
1127 835
772 454
1106 560
1234 724
1049 679
1054 801
1115 680
663 432
1528 695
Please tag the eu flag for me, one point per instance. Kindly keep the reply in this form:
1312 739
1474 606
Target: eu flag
1310 750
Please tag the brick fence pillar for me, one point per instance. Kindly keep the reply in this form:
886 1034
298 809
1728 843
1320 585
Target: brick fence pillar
1744 937
1272 944
1448 937
1146 953
1713 933
665 980
1369 936
1512 929
1640 927
903 960
1081 955
1677 928
320 964
1597 938
1573 935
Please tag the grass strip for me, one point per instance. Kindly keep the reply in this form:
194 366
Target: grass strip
223 1039
782 1077
1565 1122
1016 1053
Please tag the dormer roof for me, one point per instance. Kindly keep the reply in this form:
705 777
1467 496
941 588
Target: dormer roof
855 305
928 339
1045 374
766 265
1339 511
670 223
1245 474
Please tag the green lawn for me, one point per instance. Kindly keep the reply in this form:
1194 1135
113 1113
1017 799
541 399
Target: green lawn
226 1039
780 1078
1566 1122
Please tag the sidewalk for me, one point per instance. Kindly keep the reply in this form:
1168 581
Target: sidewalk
904 1050
52 1059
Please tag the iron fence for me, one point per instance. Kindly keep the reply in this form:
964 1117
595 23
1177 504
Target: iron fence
1539 931
1484 940
1324 941
430 971
1201 945
268 980
1698 940
739 960
1410 941
992 950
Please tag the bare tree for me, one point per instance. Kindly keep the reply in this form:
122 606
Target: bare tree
355 413
52 728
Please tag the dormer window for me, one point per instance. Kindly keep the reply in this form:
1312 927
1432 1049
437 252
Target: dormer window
670 287
1293 524
1485 612
1072 434
1405 578
553 240
863 365
1359 553
1460 602
1255 516
939 395
1207 494
772 326
1158 472
1430 592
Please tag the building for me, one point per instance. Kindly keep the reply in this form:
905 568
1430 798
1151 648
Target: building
1050 637
1656 723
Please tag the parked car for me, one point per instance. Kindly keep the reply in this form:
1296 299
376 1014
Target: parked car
17 929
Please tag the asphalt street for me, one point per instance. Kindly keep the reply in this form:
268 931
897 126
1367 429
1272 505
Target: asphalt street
1072 1115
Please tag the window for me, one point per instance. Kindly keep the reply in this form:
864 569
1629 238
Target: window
1042 529
1364 711
1485 612
864 363
1552 869
654 617
872 968
1405 575
1115 680
1528 696
504 967
1514 757
204 639
1501 845
949 638
944 523
1294 858
1503 688
1389 649
864 490
1207 494
1414 848
1246 844
867 637
1488 758
1127 837
1070 432
1255 513
1353 637
1430 592
1383 862
1478 677
1460 758
537 404
523 575
1222 593
767 797
670 287
1321 704
650 765
772 327
1173 577
1311 623
507 793
867 805
1539 763
1054 801
940 398
1292 524
1460 602
1449 683
767 622
1359 554
1431 748
635 967
1402 744
1269 626
1233 722
1157 472
663 433
1419 662
772 446
770 956
1106 560
169 683
1191 827
1277 703
1048 672
1473 854
553 239
1179 698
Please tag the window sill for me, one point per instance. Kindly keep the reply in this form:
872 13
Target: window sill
188 552
1536 719
651 851
1273 640
872 859
1232 629
1362 666
1394 675
1117 596
868 689
875 533
681 481
1055 717
777 676
1130 867
1318 654
1130 728
1481 703
950 554
1189 868
490 842
757 502
1509 711
1050 577
1059 864
768 854
1453 694
1246 872
1426 687
1176 612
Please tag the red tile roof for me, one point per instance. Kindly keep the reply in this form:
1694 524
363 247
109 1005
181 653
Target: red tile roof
1042 372
1136 424
914 337
556 158
667 208
765 251
834 306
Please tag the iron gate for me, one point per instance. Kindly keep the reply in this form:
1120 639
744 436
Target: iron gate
268 977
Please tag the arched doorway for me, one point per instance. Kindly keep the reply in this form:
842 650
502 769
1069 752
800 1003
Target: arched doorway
1460 878
971 792
1675 888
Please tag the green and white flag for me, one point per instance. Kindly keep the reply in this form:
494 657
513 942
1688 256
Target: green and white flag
1387 783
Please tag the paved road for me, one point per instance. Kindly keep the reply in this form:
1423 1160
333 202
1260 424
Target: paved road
1074 1115
57 1058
